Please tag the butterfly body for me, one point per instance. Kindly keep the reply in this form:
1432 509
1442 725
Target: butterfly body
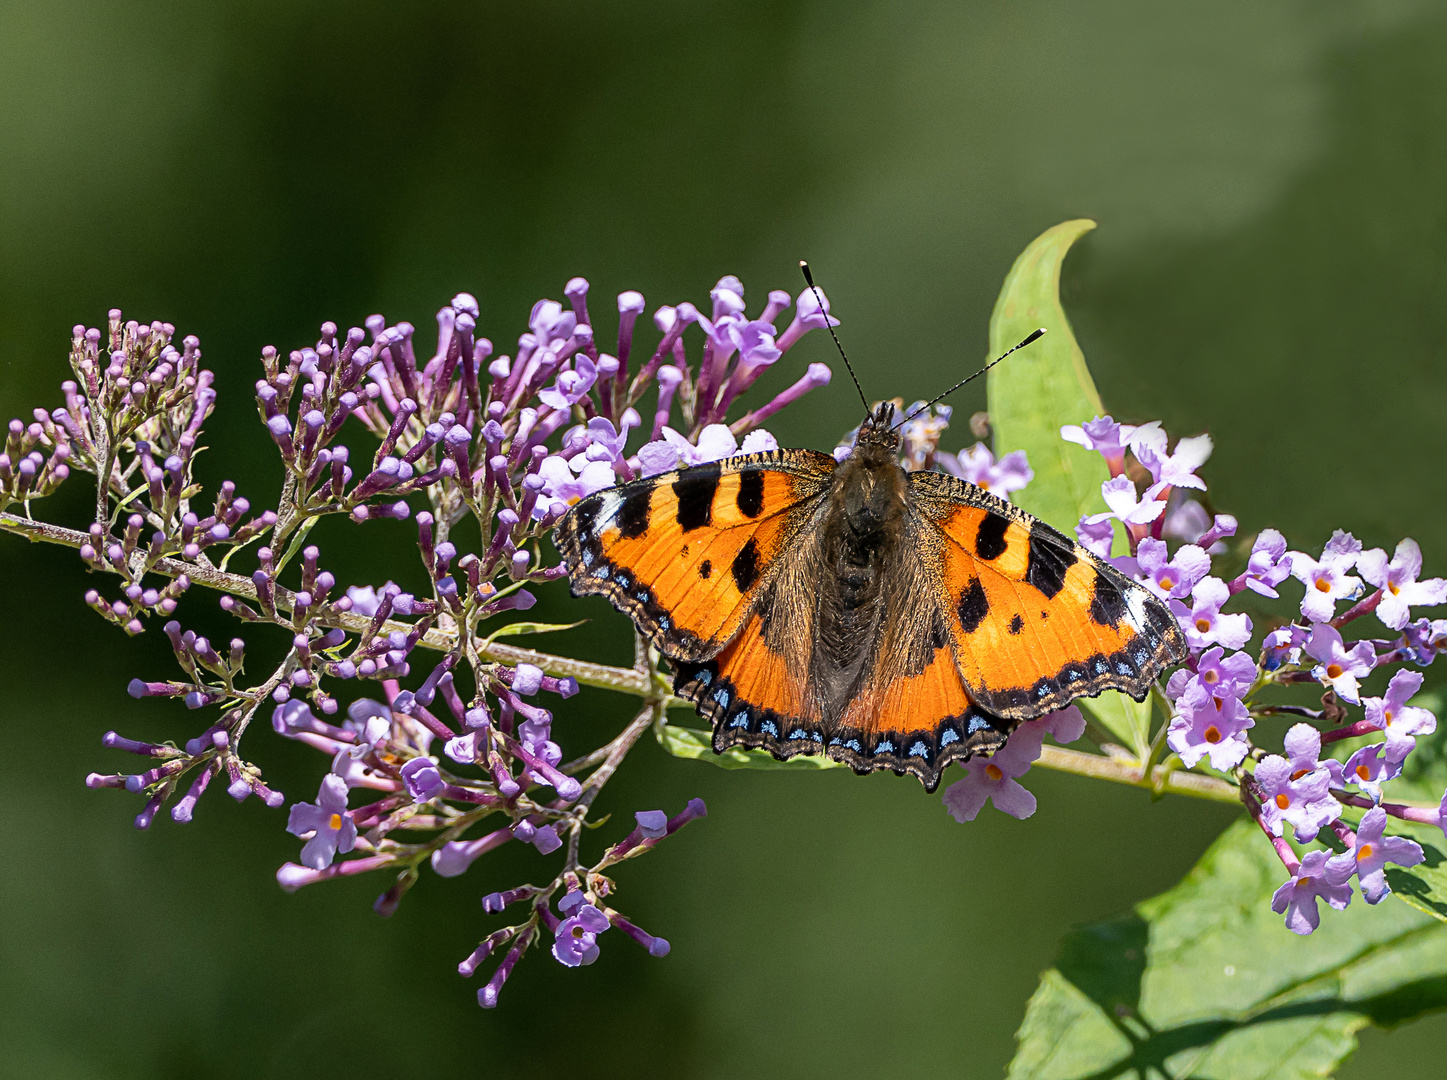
887 619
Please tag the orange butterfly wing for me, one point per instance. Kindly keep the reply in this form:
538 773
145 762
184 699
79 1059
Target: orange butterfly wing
685 554
756 698
1037 620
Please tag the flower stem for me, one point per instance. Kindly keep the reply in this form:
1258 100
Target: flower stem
1127 772
624 680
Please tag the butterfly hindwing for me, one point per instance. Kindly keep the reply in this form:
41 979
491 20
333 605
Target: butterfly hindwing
1037 620
685 553
756 697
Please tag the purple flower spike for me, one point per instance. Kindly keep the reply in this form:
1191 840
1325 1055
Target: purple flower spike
1398 581
1105 437
1289 798
1312 880
328 820
577 936
1340 668
571 387
1170 578
1369 854
1402 722
1203 623
1327 581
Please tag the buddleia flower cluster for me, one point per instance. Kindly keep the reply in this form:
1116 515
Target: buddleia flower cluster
1224 704
438 738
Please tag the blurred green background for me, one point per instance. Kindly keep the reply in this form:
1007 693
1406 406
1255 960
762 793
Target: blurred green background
1271 186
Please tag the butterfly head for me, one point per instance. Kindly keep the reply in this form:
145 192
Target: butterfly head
879 430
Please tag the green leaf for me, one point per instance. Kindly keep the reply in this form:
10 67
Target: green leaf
1032 396
1423 886
1206 981
691 743
519 629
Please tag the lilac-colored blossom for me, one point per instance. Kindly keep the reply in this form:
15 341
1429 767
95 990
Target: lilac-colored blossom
576 943
1222 674
570 481
422 778
994 778
1203 622
652 824
1369 853
1401 722
1369 769
1339 667
1120 495
1174 577
571 386
328 820
1096 536
977 465
1178 469
1310 881
1186 520
715 442
1269 564
1397 579
1209 725
1105 437
1303 800
1329 579
1283 646
1303 753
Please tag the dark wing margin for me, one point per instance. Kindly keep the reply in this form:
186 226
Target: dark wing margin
1037 620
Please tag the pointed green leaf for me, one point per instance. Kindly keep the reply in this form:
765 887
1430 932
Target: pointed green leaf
1205 980
691 743
1032 396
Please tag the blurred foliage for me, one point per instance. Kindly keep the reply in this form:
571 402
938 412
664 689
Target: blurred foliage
1271 263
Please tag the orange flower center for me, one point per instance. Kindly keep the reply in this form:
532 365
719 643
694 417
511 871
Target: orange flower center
1298 774
1203 625
1364 772
1167 582
1322 585
1283 801
334 822
1210 676
1392 588
993 772
1387 716
1213 735
1364 852
1333 671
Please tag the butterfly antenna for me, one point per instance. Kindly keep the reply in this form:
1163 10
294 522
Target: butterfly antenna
1034 335
825 312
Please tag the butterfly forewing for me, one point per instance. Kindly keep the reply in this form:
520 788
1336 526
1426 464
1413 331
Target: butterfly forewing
685 553
1036 619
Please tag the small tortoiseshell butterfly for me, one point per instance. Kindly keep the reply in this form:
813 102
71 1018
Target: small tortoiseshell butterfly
890 620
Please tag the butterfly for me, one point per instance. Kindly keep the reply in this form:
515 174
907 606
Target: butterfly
886 619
